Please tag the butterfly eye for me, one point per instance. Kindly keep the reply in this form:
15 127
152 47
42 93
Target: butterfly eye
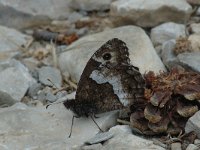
107 56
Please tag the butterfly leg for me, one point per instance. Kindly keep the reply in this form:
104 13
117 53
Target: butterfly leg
72 125
96 124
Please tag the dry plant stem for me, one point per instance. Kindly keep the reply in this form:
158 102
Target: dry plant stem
70 83
123 122
29 43
172 140
59 90
159 143
54 55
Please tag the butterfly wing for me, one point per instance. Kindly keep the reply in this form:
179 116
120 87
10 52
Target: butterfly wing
109 81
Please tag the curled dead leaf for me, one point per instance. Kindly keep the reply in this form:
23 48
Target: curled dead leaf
186 110
152 113
138 121
160 126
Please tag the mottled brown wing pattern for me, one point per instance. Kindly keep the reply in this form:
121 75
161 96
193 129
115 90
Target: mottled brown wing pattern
108 81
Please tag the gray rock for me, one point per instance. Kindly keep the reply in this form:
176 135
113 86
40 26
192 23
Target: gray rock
41 96
194 2
51 97
142 53
121 129
17 64
11 63
27 13
89 5
67 96
20 20
167 54
192 147
176 146
51 73
195 28
190 60
197 141
15 80
158 49
61 48
150 13
4 64
92 147
193 124
100 137
33 90
102 14
195 42
198 11
83 31
61 94
25 127
109 121
75 16
126 140
31 63
6 99
10 41
166 32
46 94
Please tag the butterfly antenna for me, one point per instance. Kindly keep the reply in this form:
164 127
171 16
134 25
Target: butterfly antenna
71 126
96 124
52 83
55 87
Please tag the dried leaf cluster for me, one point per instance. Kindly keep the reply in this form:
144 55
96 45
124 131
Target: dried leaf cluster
171 100
182 45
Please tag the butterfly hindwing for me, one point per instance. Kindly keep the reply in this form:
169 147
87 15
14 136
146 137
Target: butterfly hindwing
108 81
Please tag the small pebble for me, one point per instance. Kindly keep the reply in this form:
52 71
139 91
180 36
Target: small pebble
176 146
192 147
33 90
50 73
100 137
197 142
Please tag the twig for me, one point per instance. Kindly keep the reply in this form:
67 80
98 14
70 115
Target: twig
123 122
54 55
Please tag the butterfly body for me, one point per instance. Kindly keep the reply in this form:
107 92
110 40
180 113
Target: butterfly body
108 82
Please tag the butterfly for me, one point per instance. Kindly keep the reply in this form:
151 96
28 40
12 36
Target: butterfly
108 82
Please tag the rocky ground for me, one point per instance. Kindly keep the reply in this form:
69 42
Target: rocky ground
42 40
